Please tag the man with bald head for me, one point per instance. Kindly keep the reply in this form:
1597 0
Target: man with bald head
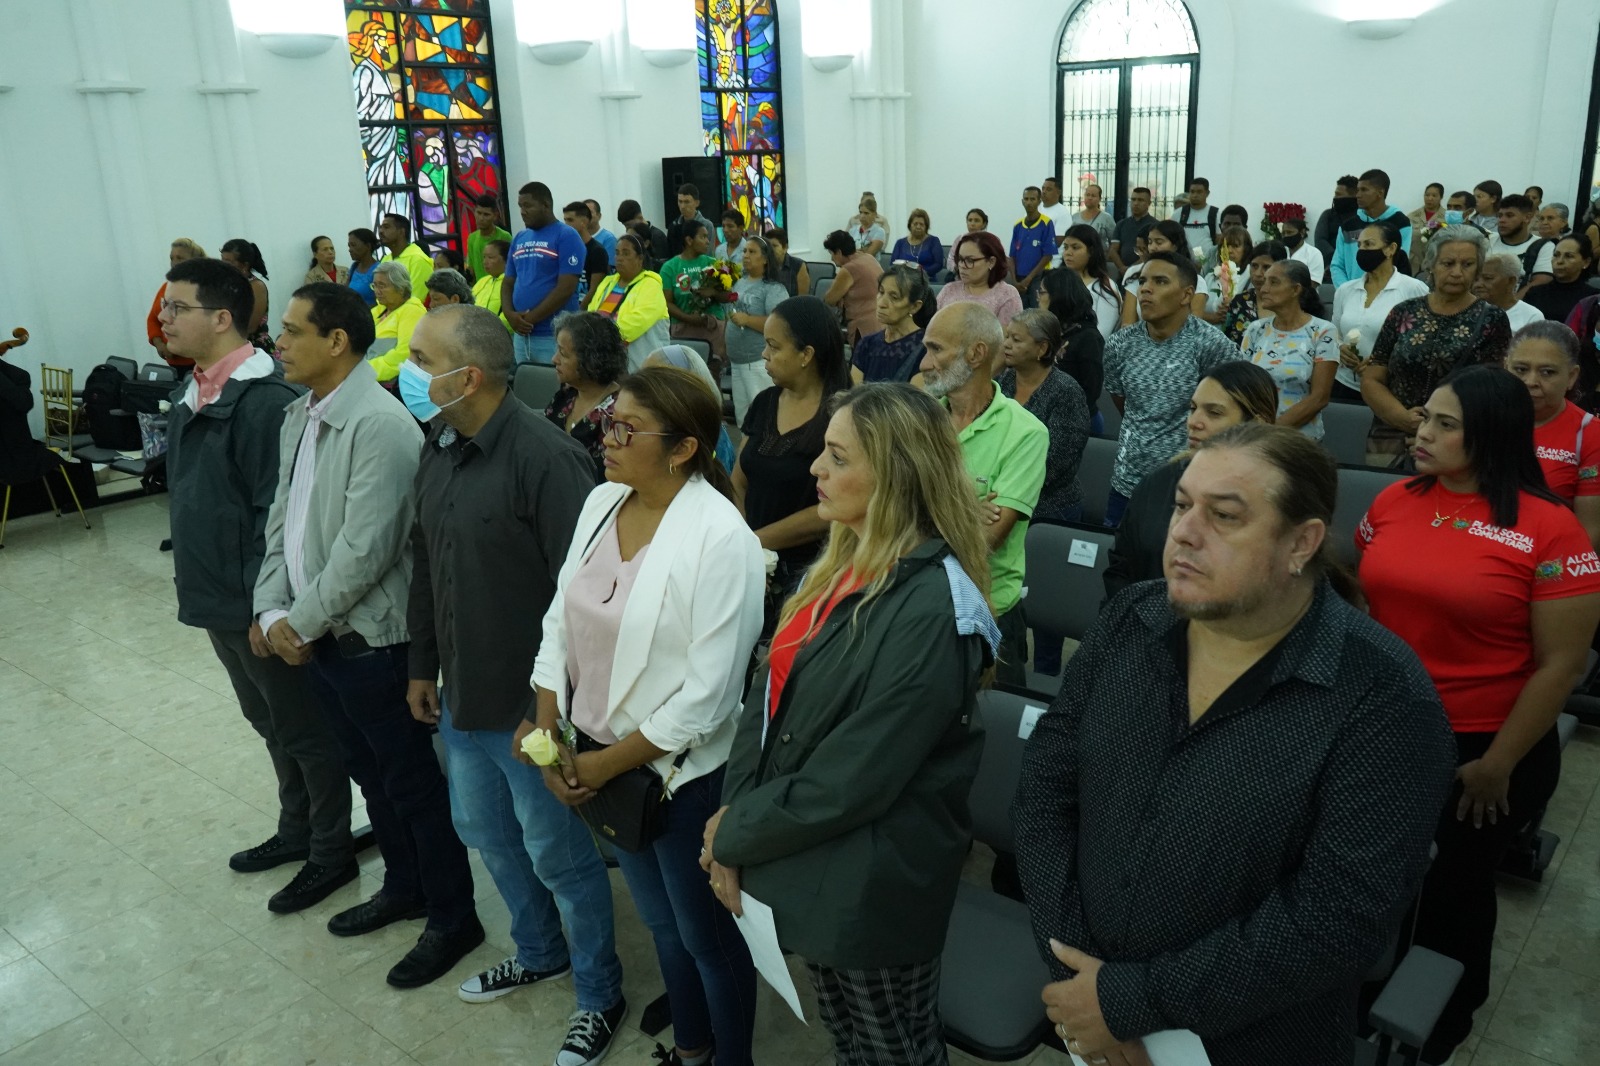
1004 447
499 488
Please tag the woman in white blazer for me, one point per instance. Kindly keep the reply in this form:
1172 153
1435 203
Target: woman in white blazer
644 653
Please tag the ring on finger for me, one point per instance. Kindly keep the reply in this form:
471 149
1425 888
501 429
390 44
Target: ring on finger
1097 1060
1061 1031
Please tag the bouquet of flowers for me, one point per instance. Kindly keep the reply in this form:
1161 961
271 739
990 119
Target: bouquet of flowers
1226 277
707 285
1277 214
1431 230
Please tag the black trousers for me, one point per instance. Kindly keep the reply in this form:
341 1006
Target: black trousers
1456 911
313 789
390 755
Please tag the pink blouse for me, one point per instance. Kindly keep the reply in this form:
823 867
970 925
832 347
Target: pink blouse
592 611
1002 299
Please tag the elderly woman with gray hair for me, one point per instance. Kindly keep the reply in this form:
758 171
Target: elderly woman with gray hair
1427 337
447 286
590 356
395 315
686 358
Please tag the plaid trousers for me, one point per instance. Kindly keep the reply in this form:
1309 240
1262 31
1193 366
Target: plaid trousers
887 1017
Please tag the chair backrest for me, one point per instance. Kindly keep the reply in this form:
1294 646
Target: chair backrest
55 389
1325 294
1094 477
1113 417
1345 427
128 368
1005 716
535 385
1357 490
702 347
820 285
821 270
157 372
55 384
1064 569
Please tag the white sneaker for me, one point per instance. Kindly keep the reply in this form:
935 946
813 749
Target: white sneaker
504 980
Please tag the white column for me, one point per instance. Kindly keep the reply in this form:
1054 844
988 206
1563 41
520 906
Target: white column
119 142
618 96
232 127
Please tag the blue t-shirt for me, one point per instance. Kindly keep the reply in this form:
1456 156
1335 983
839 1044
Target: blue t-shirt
361 282
1029 244
538 258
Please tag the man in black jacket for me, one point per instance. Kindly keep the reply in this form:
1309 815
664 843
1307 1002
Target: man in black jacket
1223 817
222 469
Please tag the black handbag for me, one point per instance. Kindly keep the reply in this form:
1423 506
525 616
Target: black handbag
630 810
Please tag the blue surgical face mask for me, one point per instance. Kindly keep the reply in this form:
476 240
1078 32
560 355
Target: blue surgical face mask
414 384
1453 218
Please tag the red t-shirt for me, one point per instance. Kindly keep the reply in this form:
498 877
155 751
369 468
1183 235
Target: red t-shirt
1571 466
793 636
1461 593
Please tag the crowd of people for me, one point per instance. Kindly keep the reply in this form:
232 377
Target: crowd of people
780 621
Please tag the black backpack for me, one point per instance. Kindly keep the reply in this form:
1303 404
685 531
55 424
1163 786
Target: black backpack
1530 258
109 425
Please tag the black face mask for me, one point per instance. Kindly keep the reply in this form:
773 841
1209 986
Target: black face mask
1369 259
1294 240
1344 204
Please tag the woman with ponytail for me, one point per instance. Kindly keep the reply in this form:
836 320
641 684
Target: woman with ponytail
245 257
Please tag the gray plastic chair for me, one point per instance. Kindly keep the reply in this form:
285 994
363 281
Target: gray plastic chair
535 385
1094 477
992 973
1345 427
821 270
1063 596
1357 490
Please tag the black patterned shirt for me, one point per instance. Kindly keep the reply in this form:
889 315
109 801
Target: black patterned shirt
1421 347
1238 875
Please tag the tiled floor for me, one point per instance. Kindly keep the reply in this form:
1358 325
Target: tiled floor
127 776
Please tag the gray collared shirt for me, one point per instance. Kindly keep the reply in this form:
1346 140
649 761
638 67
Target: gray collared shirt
495 516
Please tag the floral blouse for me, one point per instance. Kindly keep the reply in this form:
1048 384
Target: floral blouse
590 430
1241 312
1420 347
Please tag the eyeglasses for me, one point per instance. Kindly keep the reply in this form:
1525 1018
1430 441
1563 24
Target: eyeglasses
973 260
622 433
174 309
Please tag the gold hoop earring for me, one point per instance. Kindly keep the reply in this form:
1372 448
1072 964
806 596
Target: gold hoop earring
672 468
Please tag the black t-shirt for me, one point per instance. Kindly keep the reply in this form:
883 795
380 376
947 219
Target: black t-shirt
595 264
777 471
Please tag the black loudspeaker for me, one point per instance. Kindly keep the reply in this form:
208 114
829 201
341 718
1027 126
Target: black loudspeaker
700 171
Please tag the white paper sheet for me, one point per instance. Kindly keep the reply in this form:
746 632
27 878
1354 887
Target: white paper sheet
1174 1047
761 933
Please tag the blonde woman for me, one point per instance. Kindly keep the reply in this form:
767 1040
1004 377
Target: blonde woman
857 746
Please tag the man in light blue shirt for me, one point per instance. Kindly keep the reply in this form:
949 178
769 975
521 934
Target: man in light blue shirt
1372 194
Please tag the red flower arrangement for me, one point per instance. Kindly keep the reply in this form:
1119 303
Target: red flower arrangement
1277 214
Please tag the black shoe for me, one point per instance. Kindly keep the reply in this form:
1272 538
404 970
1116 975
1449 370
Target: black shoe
435 954
266 855
589 1035
374 914
313 884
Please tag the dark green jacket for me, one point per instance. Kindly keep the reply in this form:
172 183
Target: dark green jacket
852 821
222 472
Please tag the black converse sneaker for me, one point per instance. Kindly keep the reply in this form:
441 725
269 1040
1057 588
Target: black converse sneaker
504 980
589 1035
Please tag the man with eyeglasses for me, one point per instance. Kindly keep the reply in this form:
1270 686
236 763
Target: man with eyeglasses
499 489
222 472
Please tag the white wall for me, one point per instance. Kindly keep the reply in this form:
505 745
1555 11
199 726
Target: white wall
94 185
1289 99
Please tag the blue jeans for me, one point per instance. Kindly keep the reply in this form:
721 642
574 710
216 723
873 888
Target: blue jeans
534 348
711 982
542 859
1097 423
390 755
1116 506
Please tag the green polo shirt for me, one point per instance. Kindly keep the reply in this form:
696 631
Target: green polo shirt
1008 446
475 242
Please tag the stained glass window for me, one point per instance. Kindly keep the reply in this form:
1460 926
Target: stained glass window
424 80
741 104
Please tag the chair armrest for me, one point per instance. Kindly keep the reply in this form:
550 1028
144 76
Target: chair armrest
1414 996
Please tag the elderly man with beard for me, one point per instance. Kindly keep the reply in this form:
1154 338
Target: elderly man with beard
1004 447
1224 816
